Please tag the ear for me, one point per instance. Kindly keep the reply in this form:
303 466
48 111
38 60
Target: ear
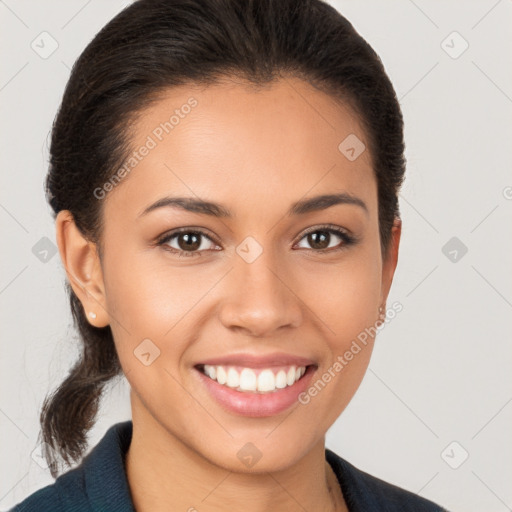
391 260
83 269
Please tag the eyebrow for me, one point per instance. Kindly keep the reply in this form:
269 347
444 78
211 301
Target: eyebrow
301 207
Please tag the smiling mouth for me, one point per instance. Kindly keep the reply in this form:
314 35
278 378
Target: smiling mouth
255 380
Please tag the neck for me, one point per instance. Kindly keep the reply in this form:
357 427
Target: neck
165 474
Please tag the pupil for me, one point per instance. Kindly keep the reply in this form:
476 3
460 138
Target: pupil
189 244
313 239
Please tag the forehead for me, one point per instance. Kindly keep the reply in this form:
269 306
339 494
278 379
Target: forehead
232 142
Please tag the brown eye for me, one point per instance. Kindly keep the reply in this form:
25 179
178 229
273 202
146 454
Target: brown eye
187 242
319 239
327 239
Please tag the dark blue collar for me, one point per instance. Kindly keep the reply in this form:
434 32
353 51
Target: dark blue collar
103 473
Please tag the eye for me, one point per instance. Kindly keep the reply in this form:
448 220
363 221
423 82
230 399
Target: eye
186 242
321 238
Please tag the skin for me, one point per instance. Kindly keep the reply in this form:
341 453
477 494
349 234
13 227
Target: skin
256 152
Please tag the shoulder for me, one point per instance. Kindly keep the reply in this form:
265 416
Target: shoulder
98 484
363 491
66 494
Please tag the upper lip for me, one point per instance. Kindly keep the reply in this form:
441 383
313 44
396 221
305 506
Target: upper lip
258 361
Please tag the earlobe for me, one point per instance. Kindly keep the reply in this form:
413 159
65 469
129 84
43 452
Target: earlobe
83 269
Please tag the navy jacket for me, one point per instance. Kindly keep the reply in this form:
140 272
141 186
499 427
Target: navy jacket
99 484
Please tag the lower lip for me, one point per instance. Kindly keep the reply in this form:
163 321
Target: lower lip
257 405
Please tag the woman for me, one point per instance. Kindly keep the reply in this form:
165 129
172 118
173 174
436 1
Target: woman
224 176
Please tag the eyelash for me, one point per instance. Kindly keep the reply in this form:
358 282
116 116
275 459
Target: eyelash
346 238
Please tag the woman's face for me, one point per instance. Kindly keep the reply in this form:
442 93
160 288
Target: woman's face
251 283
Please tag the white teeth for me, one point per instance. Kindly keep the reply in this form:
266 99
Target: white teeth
266 381
221 375
281 379
212 373
290 377
233 380
248 380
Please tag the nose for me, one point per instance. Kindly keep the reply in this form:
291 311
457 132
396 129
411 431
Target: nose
259 298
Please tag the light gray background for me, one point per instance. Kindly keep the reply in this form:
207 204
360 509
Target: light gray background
441 369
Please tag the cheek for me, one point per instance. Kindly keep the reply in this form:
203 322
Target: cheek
345 302
146 297
155 301
345 298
